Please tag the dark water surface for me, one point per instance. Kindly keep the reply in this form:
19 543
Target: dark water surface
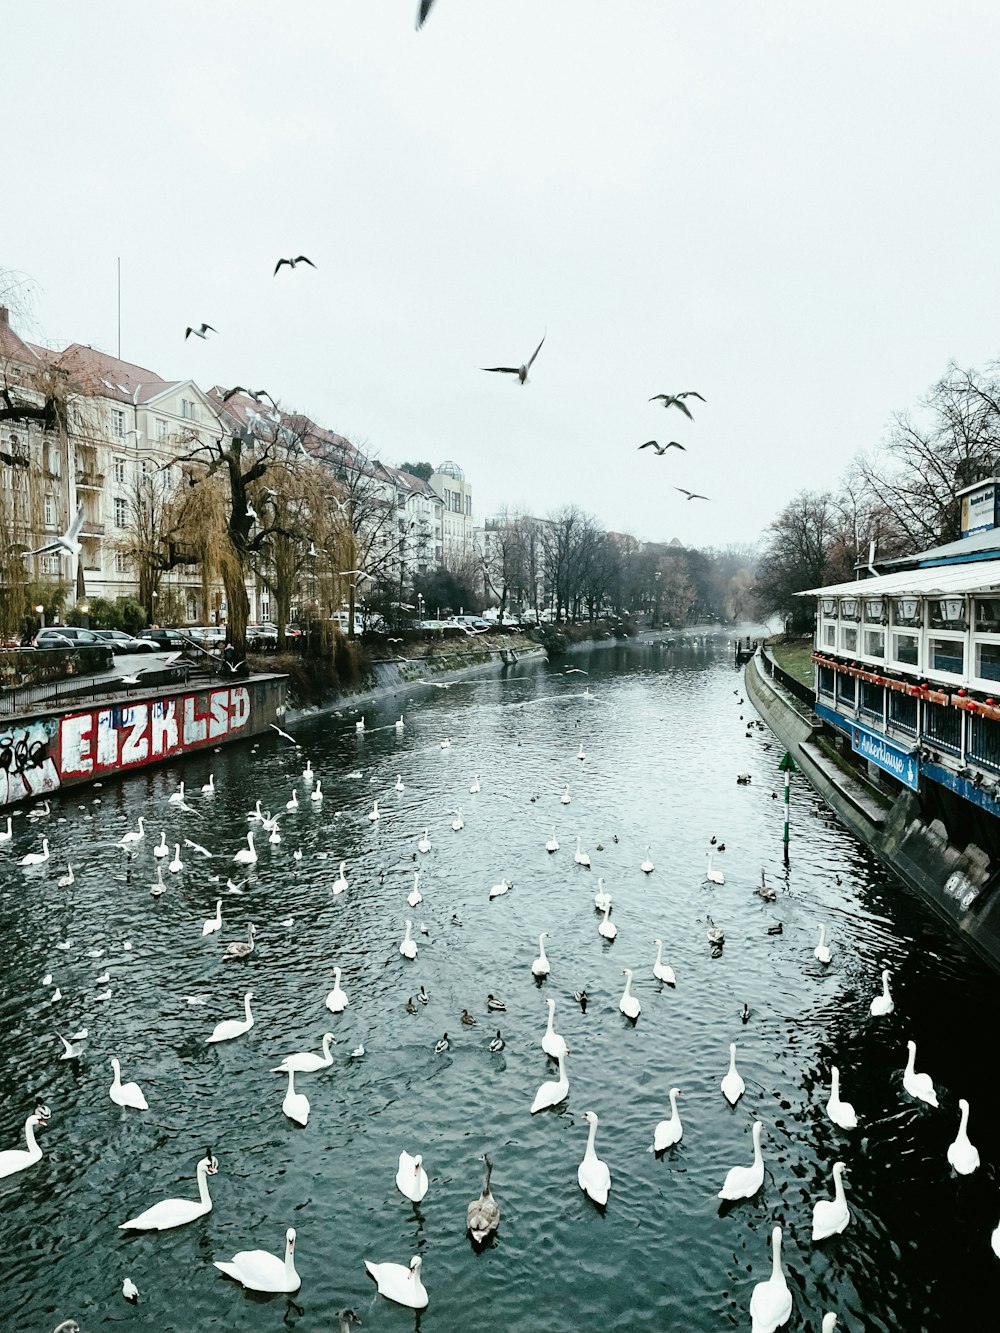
663 741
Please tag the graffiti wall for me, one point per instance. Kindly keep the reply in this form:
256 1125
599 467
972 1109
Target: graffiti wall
39 757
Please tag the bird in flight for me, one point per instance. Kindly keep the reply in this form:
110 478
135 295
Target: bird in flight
299 259
68 542
200 333
691 495
677 400
238 388
358 573
425 8
520 371
661 448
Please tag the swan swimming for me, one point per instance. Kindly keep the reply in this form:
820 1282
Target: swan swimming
295 1104
841 1113
241 948
424 845
36 858
337 1000
669 1131
339 885
247 856
483 1214
601 899
771 1301
553 843
540 966
564 798
16 1159
399 785
662 971
415 897
733 1086
882 1004
316 795
647 866
822 951
307 1062
607 927
831 1216
962 1154
161 848
373 812
213 923
408 945
593 1174
176 864
628 1004
400 1284
130 837
411 1178
125 1094
233 1027
177 1212
257 1270
581 858
743 1182
554 1091
458 823
553 1044
64 881
474 787
498 890
715 876
918 1085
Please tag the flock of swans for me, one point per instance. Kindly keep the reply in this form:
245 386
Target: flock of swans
770 1302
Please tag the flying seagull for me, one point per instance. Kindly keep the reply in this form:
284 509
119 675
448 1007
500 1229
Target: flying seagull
661 448
358 573
68 542
200 333
283 734
674 400
425 8
261 393
520 371
299 259
691 495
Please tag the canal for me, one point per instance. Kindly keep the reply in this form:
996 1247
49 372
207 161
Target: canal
663 734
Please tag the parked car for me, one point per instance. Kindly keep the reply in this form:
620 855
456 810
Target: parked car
263 635
77 636
166 640
52 638
207 636
123 643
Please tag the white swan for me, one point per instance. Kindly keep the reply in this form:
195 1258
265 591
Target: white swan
16 1159
483 1214
233 1027
360 724
662 971
831 1216
733 1086
564 798
554 1091
829 1322
498 890
715 876
177 797
337 1000
399 784
552 1043
176 864
607 927
247 856
647 866
295 1104
458 823
293 802
743 1182
209 787
474 787
918 1085
306 1062
411 1178
553 843
398 1283
64 881
73 1049
241 948
581 858
127 838
414 897
593 1174
540 965
882 1004
373 812
771 1301
669 1131
339 885
408 945
6 834
274 837
316 794
446 743
601 898
177 1212
36 858
424 845
841 1113
213 923
400 724
258 1270
628 1004
821 951
962 1154
161 848
125 1094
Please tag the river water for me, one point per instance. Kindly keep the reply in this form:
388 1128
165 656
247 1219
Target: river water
664 735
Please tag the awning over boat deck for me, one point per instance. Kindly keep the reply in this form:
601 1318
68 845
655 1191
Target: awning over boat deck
976 576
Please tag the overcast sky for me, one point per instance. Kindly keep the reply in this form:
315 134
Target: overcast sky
791 208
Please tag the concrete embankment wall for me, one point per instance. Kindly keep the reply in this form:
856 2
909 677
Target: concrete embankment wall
958 882
44 752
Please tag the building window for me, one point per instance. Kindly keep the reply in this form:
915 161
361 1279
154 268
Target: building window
119 471
906 649
50 513
50 564
117 422
189 410
830 635
988 661
872 699
846 689
946 655
947 613
468 504
121 562
55 460
121 512
903 712
874 643
849 638
161 429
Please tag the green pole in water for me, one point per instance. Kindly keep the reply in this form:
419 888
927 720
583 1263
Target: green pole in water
787 767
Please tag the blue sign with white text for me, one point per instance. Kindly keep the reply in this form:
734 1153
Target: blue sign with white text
885 754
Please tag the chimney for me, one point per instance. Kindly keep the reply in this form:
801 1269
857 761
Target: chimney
4 315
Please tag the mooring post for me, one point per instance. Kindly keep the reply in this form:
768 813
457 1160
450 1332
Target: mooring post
788 768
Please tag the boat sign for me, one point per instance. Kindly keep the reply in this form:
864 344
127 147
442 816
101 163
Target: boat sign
885 754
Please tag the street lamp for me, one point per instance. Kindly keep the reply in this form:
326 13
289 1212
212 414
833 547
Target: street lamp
84 609
40 611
